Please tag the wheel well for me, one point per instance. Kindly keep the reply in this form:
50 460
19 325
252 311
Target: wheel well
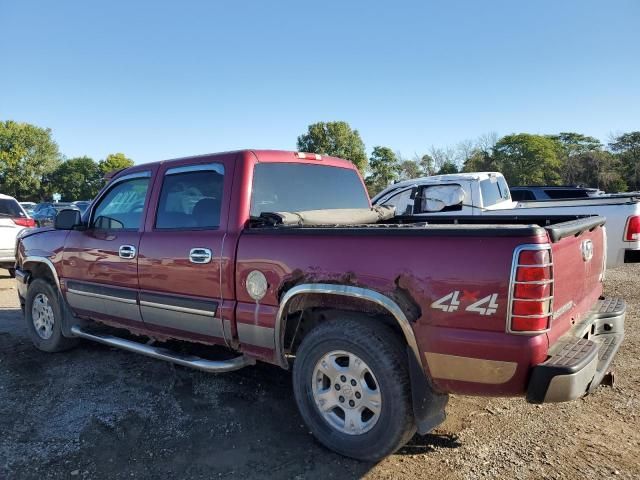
40 270
301 321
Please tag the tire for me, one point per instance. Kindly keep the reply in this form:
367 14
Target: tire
12 272
340 343
44 320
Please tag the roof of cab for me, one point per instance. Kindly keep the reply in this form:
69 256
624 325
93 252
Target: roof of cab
261 156
449 177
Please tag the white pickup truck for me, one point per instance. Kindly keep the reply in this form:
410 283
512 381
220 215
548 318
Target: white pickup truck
487 193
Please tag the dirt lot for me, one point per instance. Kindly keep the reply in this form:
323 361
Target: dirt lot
97 412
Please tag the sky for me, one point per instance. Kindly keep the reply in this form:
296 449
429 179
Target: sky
158 80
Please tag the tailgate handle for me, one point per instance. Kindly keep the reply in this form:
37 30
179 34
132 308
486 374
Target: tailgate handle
200 255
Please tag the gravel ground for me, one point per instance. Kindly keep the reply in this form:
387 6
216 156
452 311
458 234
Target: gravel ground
96 412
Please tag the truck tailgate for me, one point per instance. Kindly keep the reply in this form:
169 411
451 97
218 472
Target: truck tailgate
578 256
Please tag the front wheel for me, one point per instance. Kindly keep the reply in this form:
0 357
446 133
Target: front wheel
352 387
43 315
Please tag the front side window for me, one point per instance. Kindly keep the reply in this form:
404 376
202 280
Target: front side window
403 202
122 207
191 199
296 187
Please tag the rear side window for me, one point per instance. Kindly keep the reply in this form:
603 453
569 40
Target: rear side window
191 198
10 208
121 208
494 190
293 187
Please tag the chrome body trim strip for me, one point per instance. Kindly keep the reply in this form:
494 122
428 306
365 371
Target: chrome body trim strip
175 308
211 366
99 295
347 291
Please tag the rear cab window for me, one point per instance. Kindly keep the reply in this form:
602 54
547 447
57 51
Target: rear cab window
294 187
494 190
11 208
191 198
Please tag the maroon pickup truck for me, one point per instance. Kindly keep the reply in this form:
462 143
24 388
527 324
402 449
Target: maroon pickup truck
280 257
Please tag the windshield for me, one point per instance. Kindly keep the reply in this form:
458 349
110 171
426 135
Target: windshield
294 187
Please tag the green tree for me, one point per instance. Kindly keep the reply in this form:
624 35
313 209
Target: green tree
448 167
480 161
627 149
384 169
575 148
76 179
527 159
408 169
336 139
427 164
27 154
115 161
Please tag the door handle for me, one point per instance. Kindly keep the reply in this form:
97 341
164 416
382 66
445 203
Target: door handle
127 251
200 255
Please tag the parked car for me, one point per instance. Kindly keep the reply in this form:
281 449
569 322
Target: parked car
82 205
46 214
28 207
13 219
280 257
487 193
535 192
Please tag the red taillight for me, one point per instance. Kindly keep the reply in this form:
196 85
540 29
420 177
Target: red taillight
534 257
632 232
533 274
24 222
531 290
530 307
524 324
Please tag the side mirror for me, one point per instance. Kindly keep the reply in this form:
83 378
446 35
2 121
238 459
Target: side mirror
67 219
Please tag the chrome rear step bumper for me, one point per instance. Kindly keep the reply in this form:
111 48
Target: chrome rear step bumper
581 359
191 361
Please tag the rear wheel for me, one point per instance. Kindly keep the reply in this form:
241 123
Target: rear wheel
352 387
43 315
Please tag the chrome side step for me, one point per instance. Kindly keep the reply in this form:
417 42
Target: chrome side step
211 366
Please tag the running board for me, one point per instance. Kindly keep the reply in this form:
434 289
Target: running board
211 366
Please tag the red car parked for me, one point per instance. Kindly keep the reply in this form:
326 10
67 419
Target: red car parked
280 257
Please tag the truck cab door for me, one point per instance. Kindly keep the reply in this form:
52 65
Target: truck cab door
100 263
181 260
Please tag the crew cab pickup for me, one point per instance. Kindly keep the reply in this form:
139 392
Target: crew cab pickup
487 193
280 257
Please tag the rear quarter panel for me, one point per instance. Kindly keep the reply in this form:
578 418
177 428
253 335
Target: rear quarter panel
426 268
